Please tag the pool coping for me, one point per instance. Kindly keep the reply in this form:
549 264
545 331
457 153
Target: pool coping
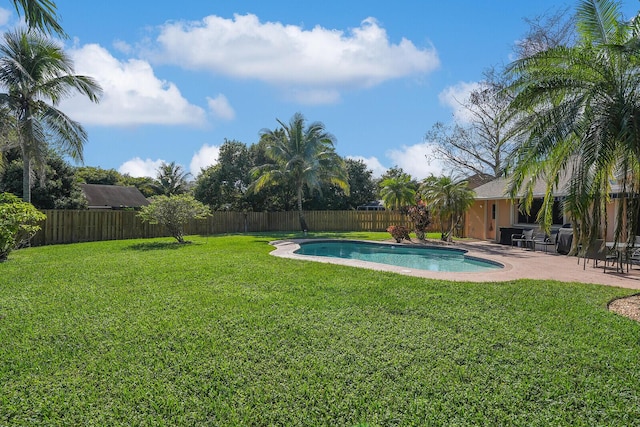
286 249
518 264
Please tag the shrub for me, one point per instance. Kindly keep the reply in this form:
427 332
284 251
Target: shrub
18 223
399 232
419 216
174 212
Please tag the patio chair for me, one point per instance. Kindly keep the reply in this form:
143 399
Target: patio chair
598 251
633 254
542 239
524 240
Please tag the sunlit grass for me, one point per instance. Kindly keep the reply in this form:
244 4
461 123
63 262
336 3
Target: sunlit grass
218 332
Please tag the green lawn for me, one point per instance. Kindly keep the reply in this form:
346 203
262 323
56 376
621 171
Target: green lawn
218 332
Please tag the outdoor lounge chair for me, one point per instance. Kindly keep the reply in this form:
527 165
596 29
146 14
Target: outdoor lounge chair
524 240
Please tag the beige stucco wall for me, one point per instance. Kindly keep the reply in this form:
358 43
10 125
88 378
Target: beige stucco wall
474 221
479 224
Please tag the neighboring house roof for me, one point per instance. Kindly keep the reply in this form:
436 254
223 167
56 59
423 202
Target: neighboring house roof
113 196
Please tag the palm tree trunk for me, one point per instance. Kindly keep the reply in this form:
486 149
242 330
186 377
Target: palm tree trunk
303 222
26 177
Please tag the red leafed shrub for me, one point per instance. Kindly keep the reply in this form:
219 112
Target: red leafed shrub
399 232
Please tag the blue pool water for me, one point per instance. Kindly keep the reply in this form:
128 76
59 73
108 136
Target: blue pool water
421 258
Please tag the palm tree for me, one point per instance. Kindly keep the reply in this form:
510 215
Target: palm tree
448 199
302 156
40 15
397 192
37 75
582 108
172 179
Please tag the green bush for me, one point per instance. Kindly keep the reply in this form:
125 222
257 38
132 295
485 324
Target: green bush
174 212
18 223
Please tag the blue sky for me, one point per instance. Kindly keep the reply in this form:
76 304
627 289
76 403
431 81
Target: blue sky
180 77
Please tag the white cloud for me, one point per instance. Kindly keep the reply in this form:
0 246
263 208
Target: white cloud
455 96
122 46
220 107
291 56
206 156
5 15
372 163
133 95
137 167
413 160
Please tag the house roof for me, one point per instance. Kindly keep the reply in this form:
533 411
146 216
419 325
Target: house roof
498 188
113 196
476 180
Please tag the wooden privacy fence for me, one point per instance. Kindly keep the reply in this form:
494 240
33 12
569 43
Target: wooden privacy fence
66 226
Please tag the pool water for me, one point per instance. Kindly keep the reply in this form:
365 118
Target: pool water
420 258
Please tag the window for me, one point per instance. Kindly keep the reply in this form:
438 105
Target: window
536 205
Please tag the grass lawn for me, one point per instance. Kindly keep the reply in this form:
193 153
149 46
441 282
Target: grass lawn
218 332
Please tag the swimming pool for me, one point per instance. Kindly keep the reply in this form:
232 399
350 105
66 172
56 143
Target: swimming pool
421 258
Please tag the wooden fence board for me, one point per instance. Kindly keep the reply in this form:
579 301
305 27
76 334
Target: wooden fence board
66 226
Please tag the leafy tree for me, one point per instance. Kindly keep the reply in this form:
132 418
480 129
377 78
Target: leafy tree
35 70
148 186
172 179
278 196
18 223
362 186
397 191
362 190
584 109
40 14
55 184
303 156
8 134
223 186
96 175
173 213
448 199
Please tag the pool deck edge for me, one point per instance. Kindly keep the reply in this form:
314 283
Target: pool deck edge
518 264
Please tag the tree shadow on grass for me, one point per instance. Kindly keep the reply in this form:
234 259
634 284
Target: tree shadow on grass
155 246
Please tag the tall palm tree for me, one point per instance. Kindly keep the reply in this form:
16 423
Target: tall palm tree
582 108
302 155
397 192
172 179
40 15
37 74
448 199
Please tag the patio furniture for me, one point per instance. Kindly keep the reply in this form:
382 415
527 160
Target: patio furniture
507 232
631 253
524 240
564 239
598 251
633 258
544 241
